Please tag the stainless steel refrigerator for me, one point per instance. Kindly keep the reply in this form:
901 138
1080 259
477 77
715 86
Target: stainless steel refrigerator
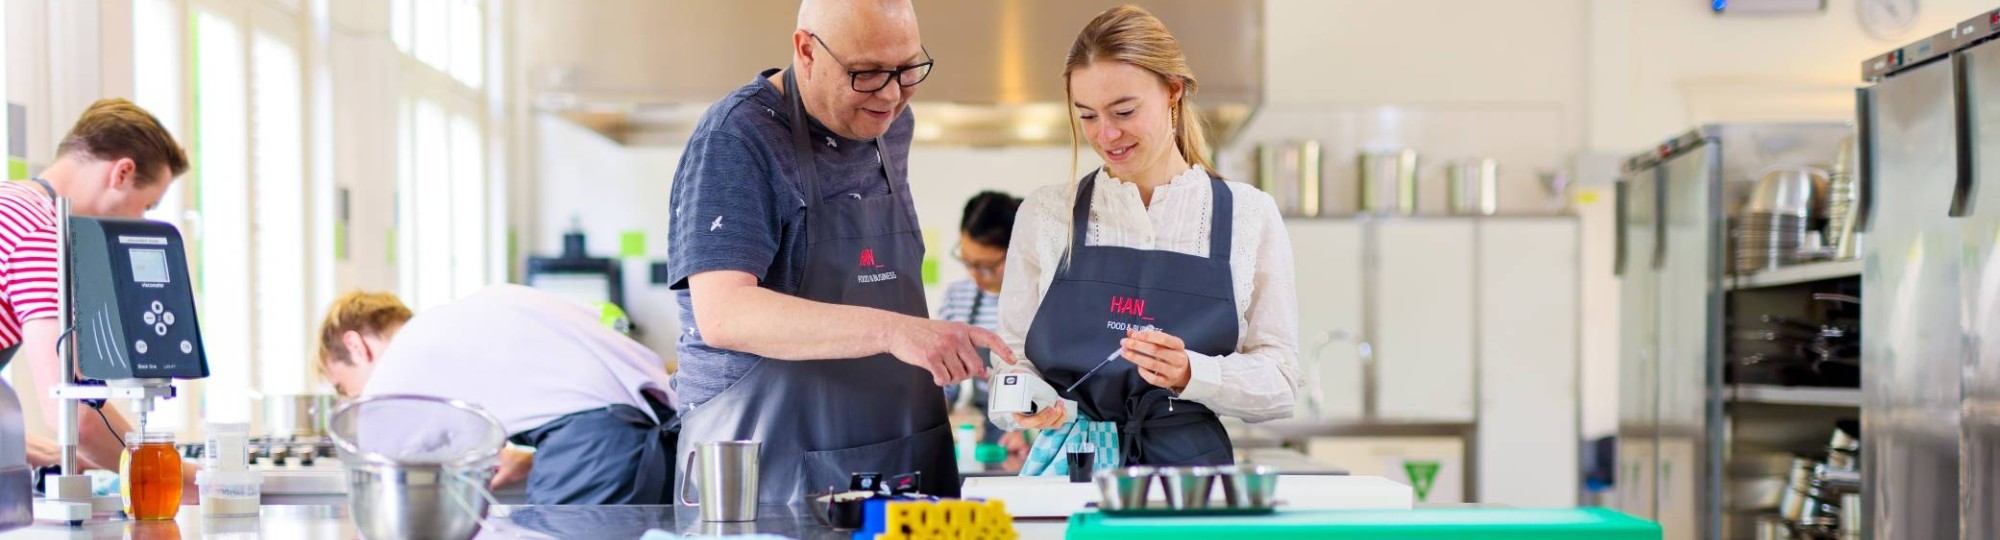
1674 434
1930 132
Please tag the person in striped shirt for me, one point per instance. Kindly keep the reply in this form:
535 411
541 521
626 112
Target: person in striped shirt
983 233
116 161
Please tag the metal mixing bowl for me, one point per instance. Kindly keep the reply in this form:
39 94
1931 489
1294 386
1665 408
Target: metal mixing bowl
420 468
416 501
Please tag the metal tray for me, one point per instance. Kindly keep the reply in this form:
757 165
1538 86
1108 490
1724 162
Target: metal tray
1162 510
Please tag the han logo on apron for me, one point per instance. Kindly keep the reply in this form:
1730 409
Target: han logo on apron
1103 291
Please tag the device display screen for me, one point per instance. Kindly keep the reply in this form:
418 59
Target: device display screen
149 265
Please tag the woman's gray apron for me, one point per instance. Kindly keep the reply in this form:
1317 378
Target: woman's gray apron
1103 290
819 421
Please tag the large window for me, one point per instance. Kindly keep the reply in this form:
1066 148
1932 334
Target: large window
279 131
447 35
222 176
248 211
230 78
158 83
444 236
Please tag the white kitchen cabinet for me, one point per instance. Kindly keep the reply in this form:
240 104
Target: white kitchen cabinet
1424 321
1528 299
1637 468
1676 489
1467 321
1330 263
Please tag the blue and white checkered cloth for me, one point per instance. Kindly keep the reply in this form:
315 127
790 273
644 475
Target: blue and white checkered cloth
1048 456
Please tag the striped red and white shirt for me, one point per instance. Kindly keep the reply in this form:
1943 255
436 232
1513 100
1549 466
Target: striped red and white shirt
27 258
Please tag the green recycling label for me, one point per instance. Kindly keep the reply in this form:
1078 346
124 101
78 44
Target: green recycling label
1423 475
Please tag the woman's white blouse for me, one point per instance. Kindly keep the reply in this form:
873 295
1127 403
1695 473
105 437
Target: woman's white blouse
1259 380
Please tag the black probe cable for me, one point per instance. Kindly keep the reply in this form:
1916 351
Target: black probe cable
99 406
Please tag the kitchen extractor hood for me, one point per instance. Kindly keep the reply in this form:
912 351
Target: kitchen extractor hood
642 71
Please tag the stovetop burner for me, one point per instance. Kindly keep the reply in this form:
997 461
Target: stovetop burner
275 451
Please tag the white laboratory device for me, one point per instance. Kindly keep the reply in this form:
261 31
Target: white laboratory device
1014 392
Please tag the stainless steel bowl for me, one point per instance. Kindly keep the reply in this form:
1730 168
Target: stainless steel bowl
416 501
1188 488
1124 489
1786 190
417 466
1250 486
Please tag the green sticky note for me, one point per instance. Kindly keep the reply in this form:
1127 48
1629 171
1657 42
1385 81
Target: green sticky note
513 254
632 244
392 245
930 271
340 241
17 169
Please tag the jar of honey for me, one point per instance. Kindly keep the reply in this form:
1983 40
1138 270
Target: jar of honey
151 473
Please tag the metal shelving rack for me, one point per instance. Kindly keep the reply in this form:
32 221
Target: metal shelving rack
1687 433
1811 396
1794 275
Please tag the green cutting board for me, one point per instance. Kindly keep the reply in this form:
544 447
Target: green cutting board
1419 524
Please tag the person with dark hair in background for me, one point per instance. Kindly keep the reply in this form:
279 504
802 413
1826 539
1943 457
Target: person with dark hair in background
983 234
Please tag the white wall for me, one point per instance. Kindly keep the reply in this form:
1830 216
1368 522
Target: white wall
1658 67
943 178
1450 78
608 190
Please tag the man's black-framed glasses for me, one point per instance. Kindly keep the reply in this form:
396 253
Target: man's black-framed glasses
868 81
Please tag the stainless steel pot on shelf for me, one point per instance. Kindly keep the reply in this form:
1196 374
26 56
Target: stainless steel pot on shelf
298 416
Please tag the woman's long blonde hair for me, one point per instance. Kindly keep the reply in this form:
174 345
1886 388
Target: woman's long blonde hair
1132 35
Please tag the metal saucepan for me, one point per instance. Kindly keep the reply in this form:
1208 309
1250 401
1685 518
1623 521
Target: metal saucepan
303 416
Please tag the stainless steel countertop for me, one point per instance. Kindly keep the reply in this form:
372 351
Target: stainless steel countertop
505 523
330 521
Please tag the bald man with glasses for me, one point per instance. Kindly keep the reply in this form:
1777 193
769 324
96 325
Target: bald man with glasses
797 255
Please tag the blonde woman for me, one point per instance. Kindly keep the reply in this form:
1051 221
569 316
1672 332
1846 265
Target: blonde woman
1151 295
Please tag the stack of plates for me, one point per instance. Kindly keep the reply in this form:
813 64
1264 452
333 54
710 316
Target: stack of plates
1765 241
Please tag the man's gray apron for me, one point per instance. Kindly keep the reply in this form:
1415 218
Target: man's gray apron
821 420
1103 290
7 354
612 455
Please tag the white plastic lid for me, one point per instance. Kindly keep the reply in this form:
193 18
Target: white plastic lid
228 428
207 477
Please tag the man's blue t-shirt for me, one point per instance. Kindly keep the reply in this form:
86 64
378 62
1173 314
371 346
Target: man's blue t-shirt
738 205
